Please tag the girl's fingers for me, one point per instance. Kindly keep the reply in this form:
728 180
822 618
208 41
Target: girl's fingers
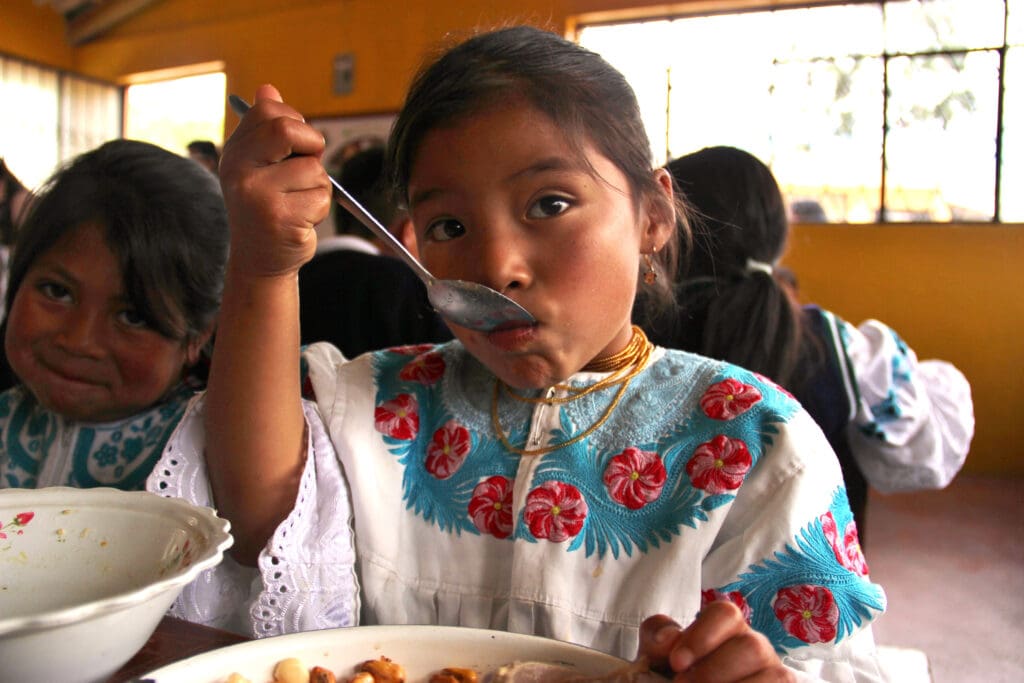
719 647
658 634
747 656
275 188
717 622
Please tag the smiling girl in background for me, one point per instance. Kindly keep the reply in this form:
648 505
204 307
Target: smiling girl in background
115 284
565 478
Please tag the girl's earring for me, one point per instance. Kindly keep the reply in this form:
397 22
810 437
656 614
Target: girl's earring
650 275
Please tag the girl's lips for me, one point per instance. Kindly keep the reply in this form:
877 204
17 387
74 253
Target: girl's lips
512 336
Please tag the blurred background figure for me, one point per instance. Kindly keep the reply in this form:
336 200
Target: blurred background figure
807 211
14 197
204 153
352 293
896 423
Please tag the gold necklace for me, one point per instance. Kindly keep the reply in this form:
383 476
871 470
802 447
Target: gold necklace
624 366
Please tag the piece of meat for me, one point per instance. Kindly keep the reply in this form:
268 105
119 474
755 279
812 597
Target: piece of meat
547 672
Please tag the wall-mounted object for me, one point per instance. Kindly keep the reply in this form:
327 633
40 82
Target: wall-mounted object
344 66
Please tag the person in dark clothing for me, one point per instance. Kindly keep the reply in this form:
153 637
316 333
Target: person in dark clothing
351 293
13 197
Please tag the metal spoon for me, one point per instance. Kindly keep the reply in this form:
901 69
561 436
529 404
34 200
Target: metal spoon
468 304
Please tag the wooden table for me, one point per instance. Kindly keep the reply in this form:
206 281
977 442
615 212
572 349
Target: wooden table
174 639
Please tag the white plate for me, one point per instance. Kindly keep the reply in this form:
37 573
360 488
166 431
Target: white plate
422 650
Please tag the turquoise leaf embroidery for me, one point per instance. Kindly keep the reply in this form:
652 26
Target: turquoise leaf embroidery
810 561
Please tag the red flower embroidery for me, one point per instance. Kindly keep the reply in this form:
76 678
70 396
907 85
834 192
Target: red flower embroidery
807 612
411 349
772 383
398 418
425 368
635 478
847 549
555 511
447 450
828 525
728 398
735 597
491 506
719 465
854 556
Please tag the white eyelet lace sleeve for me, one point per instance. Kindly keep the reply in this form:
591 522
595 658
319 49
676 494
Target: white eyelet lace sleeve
914 419
306 575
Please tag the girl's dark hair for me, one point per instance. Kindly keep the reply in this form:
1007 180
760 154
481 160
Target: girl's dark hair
164 220
730 310
577 89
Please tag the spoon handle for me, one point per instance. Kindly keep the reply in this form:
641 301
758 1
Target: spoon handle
346 200
342 197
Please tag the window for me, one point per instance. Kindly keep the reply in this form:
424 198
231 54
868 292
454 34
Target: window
894 110
57 116
173 112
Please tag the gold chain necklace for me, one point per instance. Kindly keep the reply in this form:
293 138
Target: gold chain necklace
624 366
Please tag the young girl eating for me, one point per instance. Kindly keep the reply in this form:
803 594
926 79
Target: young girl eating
115 283
564 478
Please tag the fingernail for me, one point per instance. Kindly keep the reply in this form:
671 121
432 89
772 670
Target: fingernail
665 634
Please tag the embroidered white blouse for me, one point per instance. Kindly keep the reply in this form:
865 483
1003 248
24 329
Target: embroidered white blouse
707 482
911 420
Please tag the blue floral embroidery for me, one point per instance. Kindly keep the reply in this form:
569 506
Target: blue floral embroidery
610 528
810 559
120 454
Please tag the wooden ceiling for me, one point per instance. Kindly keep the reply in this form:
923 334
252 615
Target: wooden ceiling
89 19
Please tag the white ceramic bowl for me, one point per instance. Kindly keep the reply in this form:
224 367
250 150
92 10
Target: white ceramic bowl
87 574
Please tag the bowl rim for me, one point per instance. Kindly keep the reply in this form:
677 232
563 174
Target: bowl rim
216 528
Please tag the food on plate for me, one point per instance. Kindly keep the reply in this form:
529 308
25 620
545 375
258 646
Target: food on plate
318 674
381 670
454 674
291 670
546 672
384 670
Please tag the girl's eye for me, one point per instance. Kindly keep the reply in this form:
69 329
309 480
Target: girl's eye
548 206
55 291
445 229
131 318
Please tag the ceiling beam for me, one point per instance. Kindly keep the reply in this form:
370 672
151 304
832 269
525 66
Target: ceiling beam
100 18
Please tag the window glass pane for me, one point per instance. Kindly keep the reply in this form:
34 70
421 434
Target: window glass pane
90 114
1015 22
719 93
825 117
172 113
941 147
827 31
923 25
805 90
639 51
1011 199
28 131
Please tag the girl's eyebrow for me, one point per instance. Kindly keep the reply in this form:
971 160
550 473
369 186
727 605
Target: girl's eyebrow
53 268
553 163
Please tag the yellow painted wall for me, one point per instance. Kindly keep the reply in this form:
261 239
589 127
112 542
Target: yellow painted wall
33 33
953 292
